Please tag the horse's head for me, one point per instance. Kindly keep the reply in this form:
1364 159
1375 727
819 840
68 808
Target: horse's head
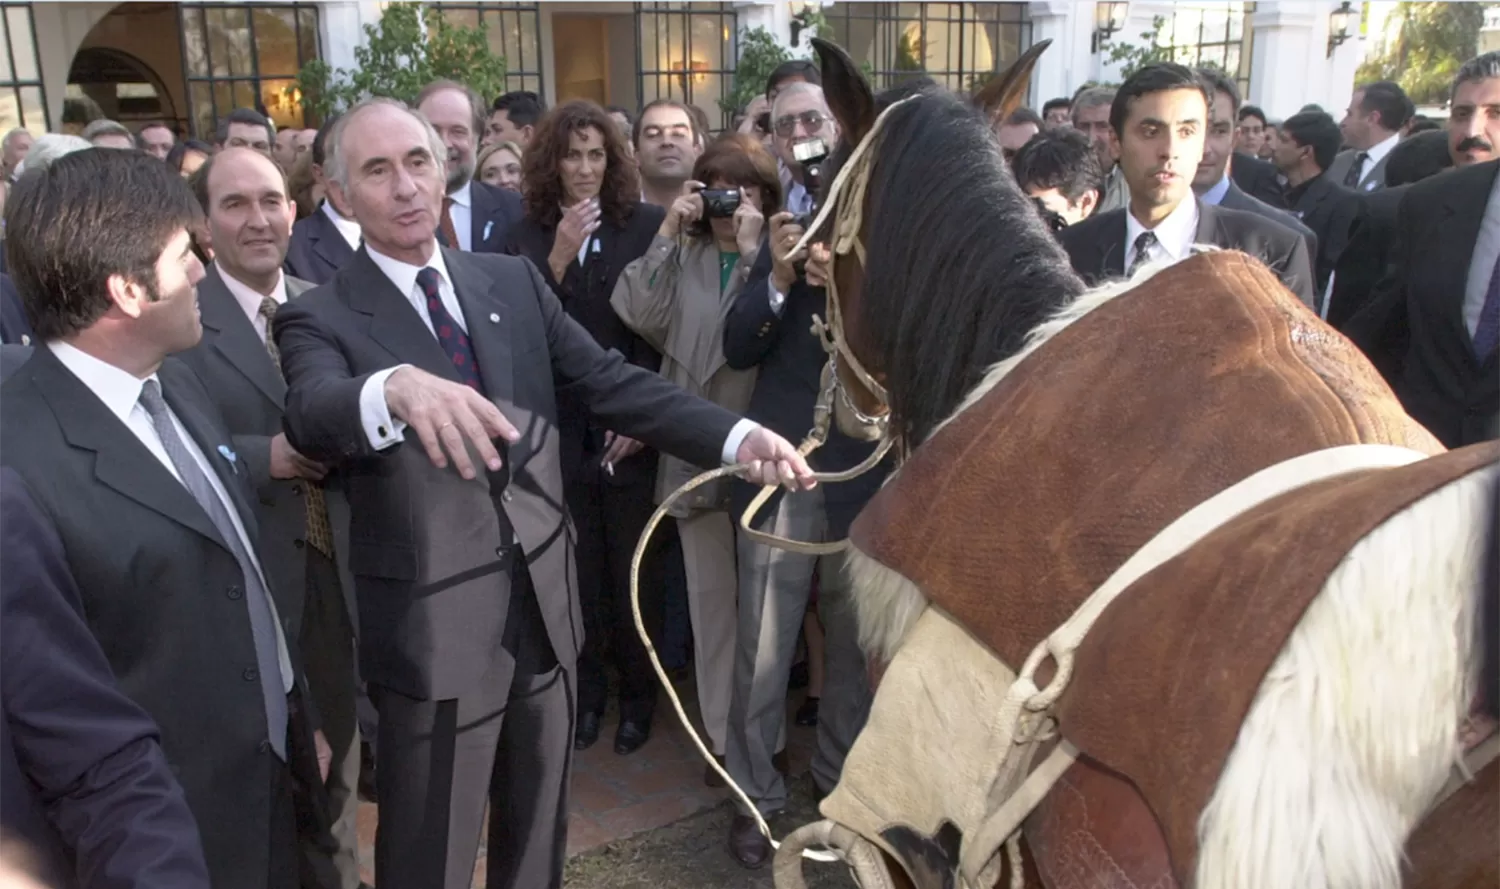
846 213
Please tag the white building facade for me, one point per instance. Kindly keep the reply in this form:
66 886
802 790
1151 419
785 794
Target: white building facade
190 62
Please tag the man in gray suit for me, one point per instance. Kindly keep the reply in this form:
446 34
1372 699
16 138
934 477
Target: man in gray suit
1371 127
1213 183
249 218
461 547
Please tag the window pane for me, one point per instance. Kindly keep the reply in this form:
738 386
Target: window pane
281 105
468 18
10 109
238 32
308 38
218 40
33 109
204 120
5 71
22 49
244 94
223 99
193 43
276 41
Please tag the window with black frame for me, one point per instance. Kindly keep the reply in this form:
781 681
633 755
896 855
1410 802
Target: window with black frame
687 52
513 31
23 102
246 56
960 45
1213 34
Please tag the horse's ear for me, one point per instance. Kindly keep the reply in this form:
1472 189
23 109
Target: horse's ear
1007 90
848 94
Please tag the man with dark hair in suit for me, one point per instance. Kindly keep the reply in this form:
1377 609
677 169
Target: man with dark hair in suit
322 242
1302 149
126 454
475 216
1213 183
1250 132
1160 118
1059 168
1057 112
1372 127
245 128
513 118
460 543
83 782
243 194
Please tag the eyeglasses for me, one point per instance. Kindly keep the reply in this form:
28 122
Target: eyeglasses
812 121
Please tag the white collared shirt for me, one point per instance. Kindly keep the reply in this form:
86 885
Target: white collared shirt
1482 264
462 214
381 429
1377 152
1174 235
348 228
1216 194
250 299
120 391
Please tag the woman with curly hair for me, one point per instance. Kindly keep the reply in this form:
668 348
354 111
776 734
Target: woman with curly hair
584 224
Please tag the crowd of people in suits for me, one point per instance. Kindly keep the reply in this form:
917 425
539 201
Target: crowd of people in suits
326 452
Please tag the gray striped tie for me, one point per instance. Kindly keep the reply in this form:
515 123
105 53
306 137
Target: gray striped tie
262 624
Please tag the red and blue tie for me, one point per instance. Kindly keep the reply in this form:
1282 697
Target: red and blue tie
450 335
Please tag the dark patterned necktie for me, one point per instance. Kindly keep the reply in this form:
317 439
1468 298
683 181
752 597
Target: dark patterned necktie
1487 331
450 335
1356 170
446 227
1143 244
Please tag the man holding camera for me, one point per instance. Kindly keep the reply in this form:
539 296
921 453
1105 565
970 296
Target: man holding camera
769 328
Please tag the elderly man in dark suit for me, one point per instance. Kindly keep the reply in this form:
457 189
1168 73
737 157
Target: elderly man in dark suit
302 520
462 548
322 242
1160 117
1302 149
475 216
125 452
83 782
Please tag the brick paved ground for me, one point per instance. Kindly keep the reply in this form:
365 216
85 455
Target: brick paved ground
617 797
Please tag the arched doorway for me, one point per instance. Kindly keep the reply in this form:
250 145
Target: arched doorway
124 87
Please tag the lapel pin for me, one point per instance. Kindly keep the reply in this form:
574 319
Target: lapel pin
494 318
488 227
229 455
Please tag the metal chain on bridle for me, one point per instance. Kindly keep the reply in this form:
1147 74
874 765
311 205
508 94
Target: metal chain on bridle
846 204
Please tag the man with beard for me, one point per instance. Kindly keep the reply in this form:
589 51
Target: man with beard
666 146
1474 114
476 217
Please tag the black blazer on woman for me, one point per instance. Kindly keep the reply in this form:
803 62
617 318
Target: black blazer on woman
585 291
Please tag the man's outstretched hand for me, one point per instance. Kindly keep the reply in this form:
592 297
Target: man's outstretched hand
772 460
444 414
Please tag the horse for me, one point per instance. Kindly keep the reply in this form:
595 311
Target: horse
1167 589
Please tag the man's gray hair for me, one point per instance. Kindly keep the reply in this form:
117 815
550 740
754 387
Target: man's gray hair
10 137
49 148
1482 67
335 166
476 104
1092 97
797 88
106 127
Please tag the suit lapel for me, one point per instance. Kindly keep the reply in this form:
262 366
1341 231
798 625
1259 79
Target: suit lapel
215 447
121 461
394 322
1463 214
489 324
327 243
236 339
1112 248
479 216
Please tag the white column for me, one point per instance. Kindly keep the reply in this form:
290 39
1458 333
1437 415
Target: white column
776 18
1291 65
1068 62
343 25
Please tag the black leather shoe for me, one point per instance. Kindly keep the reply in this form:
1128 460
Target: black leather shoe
586 732
746 843
631 736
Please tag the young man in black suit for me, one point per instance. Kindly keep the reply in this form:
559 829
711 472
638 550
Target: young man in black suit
1160 118
128 457
83 782
323 242
430 377
1302 149
475 216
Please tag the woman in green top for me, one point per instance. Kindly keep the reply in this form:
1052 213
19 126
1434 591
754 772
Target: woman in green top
676 297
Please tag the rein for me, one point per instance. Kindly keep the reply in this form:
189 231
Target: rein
842 845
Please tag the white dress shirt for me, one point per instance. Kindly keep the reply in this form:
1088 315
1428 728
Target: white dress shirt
120 391
250 299
462 214
1375 154
384 430
1216 194
348 228
1174 235
1482 265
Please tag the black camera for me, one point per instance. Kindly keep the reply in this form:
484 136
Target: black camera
810 156
720 203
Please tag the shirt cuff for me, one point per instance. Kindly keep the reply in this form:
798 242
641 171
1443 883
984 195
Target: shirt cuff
737 437
778 299
380 427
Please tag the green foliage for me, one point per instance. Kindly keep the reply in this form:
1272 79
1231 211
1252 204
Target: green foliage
760 53
1427 44
400 56
1132 57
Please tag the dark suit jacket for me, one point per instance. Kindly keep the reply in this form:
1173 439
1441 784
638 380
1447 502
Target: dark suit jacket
1258 178
585 291
14 328
493 212
426 547
82 777
1365 260
1235 199
1329 209
790 361
316 249
12 358
248 391
161 591
1097 246
1441 383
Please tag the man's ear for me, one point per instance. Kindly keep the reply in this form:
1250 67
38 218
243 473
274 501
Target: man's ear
1088 202
127 295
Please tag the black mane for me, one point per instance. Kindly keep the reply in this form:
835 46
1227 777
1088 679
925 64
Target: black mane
960 266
